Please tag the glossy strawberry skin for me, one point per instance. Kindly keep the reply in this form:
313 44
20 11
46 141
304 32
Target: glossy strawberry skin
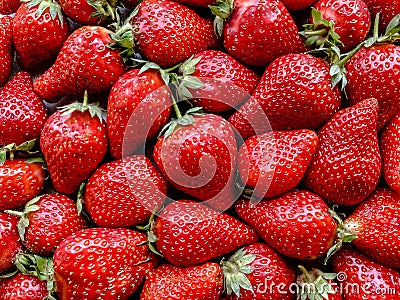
295 92
10 243
347 164
191 233
124 192
83 63
106 263
167 32
200 282
22 113
258 32
6 48
274 163
139 106
9 6
73 145
281 221
378 61
23 287
298 4
387 10
79 11
20 182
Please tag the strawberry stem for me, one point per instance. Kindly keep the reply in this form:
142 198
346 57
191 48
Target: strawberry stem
85 99
376 26
307 275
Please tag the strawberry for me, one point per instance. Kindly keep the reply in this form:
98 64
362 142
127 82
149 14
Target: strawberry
73 143
387 10
298 4
197 3
6 48
83 63
124 192
201 282
187 233
167 32
10 245
133 98
23 287
347 164
281 221
37 29
22 113
101 263
264 270
295 92
256 32
9 6
274 163
364 278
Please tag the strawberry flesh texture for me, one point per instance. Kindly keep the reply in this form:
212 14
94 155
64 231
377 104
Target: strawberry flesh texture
10 243
6 47
23 287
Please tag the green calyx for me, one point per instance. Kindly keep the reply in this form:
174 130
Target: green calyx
53 7
314 285
151 237
104 10
24 150
235 270
222 10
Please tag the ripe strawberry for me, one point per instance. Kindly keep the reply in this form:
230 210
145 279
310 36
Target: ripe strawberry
256 32
274 163
167 32
9 6
281 221
387 10
295 92
6 48
268 275
83 63
101 263
38 33
139 106
298 4
197 3
346 166
364 278
22 113
189 233
10 243
73 143
201 282
23 287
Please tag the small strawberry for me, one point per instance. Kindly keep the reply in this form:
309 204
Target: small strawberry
201 282
101 263
23 287
187 233
298 4
6 48
281 221
346 166
10 243
8 7
22 113
73 142
387 9
274 163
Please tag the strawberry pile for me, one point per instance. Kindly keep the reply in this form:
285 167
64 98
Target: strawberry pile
199 149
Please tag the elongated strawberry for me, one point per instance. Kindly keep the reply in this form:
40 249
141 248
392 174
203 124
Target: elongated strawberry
274 163
347 164
281 221
23 287
9 6
6 48
10 244
189 233
22 113
201 282
83 63
106 263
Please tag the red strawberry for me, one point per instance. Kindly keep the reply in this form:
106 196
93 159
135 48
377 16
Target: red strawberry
167 32
189 233
10 243
201 282
9 6
268 275
197 3
297 4
124 192
23 287
347 164
73 142
22 113
387 10
274 163
281 221
38 33
295 92
139 106
101 263
364 278
256 32
6 48
83 63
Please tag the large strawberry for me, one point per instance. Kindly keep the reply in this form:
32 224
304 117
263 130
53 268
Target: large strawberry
295 92
274 163
201 282
85 62
23 287
22 113
10 244
347 164
9 6
187 233
281 221
73 142
6 48
101 263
